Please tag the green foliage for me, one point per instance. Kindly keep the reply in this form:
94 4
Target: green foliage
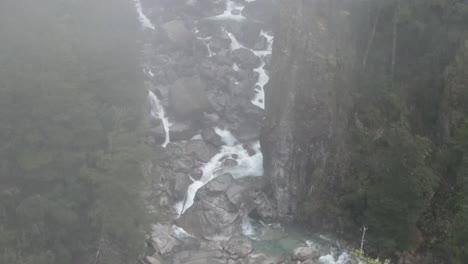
361 256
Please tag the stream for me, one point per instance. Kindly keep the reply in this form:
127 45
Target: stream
243 152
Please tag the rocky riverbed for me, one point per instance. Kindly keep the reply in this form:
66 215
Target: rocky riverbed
206 63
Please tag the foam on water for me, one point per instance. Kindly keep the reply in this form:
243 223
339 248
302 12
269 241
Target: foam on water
180 233
263 78
247 166
157 111
329 259
235 44
144 20
228 15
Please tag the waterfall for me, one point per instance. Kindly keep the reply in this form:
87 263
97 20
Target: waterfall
157 111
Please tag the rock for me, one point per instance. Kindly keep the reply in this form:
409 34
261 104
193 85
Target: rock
153 259
196 174
162 240
260 258
250 34
212 216
309 261
306 253
158 133
239 246
181 183
182 131
200 150
187 98
220 183
260 10
210 136
199 257
177 33
183 166
245 58
230 163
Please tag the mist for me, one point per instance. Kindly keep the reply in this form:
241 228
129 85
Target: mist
233 131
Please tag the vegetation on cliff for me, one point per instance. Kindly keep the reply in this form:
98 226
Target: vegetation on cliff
407 134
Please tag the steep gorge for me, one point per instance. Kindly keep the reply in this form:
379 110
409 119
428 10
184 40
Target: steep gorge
365 117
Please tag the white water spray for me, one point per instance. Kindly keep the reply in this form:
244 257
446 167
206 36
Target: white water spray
247 165
144 20
157 111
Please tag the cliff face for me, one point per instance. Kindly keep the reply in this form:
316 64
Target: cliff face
366 122
307 101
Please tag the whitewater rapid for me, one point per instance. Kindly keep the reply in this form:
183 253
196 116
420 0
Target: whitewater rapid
247 165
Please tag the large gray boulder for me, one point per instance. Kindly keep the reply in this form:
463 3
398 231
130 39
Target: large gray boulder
260 258
238 247
162 240
187 98
306 253
246 59
200 150
178 33
220 205
200 257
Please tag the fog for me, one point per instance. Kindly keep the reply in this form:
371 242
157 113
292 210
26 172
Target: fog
233 131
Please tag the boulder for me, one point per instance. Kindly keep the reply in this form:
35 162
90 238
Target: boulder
238 246
200 257
310 261
196 174
200 150
153 259
220 183
306 253
245 58
162 241
260 258
210 136
182 131
187 98
230 163
261 10
177 33
250 34
181 183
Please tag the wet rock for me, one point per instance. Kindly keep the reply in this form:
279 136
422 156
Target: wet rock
187 98
260 258
183 166
220 184
245 58
230 163
238 246
181 183
199 257
182 131
177 33
310 261
200 150
212 215
260 10
158 133
306 253
250 34
162 241
196 174
155 259
210 136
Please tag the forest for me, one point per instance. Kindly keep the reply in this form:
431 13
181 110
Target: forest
71 114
